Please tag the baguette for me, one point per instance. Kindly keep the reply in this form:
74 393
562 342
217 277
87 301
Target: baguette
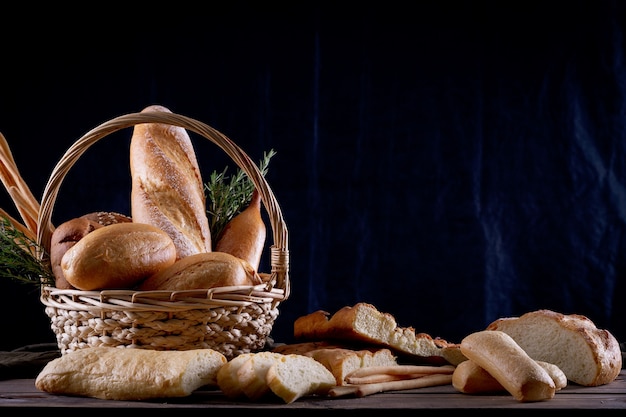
252 374
363 323
244 235
588 356
343 362
130 374
167 189
499 355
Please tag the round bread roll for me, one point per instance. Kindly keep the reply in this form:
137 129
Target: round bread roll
203 271
63 238
117 256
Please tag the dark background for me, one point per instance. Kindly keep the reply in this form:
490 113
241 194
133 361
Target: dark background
449 162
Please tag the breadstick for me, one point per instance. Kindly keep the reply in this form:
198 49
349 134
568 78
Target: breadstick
421 382
373 379
401 370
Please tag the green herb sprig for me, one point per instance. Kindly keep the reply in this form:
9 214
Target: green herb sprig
18 257
228 196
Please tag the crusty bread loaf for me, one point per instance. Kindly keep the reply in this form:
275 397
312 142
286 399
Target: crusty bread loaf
130 374
364 323
167 189
106 218
296 376
499 355
117 256
203 271
227 379
587 355
244 235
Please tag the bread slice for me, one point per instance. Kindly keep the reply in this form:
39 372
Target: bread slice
587 355
130 374
227 379
294 376
251 375
364 323
342 362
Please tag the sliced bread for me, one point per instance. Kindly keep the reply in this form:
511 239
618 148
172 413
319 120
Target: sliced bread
227 379
587 355
294 376
251 375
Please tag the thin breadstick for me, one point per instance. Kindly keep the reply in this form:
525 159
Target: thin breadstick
343 390
421 382
401 370
373 379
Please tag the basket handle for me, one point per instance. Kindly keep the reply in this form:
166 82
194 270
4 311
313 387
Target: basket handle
279 253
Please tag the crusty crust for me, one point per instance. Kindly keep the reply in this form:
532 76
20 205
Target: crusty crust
167 189
587 355
364 323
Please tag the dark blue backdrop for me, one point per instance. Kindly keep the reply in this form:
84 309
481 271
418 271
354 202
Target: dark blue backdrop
449 163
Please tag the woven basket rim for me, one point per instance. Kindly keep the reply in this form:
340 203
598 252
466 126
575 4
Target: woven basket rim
277 286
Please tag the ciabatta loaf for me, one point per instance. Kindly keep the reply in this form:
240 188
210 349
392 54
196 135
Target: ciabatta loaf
587 355
167 189
364 323
130 374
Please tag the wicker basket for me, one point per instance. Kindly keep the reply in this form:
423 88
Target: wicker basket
231 320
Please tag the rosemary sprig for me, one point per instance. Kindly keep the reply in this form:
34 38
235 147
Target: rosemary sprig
228 196
19 257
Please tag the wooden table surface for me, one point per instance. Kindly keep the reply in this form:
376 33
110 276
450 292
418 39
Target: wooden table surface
20 394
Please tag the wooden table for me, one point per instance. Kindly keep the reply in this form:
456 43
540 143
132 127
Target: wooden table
17 395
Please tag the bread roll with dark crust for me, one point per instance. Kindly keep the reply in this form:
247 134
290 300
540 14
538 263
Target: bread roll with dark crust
203 271
65 236
117 256
167 189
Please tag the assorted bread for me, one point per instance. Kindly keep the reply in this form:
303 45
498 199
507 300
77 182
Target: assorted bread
166 245
169 217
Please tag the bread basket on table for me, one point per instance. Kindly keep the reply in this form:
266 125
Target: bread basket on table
231 320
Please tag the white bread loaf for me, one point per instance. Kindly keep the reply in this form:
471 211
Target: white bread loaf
130 374
587 355
365 324
499 355
167 189
295 376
